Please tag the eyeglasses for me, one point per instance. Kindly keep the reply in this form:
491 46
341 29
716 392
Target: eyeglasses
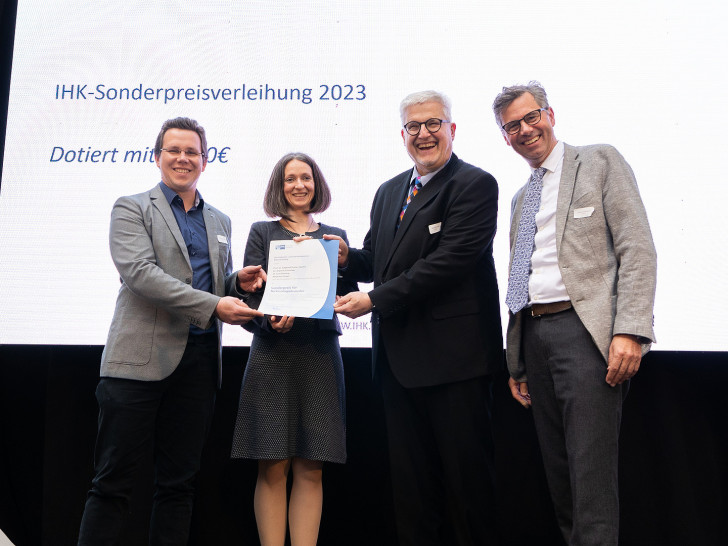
433 125
176 152
532 118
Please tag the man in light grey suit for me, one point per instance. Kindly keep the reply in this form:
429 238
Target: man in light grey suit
581 294
161 364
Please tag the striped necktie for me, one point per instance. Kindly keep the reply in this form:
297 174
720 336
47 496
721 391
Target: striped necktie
414 188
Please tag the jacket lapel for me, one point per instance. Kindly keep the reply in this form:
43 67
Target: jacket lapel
394 198
160 202
212 247
394 207
566 190
516 209
428 192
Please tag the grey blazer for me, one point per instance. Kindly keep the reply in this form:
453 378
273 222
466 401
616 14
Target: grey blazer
606 257
156 302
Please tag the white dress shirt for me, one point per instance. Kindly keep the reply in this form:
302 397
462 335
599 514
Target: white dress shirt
545 284
425 178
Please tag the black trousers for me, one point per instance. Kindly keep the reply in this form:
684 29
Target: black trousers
441 457
172 417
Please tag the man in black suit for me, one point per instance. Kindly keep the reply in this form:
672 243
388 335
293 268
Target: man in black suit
437 336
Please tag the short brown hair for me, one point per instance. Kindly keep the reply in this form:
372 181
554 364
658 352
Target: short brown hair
275 204
181 123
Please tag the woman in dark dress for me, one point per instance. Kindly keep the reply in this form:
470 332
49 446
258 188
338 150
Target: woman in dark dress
291 416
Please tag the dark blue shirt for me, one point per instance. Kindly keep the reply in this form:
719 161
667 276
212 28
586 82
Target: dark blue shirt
192 225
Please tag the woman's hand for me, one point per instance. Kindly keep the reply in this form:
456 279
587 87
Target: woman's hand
281 324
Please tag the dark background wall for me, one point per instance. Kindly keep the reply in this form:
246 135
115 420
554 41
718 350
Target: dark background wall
673 474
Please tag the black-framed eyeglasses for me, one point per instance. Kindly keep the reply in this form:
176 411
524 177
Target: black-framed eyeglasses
176 152
532 118
432 125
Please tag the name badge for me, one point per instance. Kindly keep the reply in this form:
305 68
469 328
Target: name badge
586 212
222 239
435 228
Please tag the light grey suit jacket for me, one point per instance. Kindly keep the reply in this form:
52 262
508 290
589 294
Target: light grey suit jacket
156 302
607 258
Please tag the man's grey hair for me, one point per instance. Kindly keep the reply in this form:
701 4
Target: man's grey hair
421 97
509 94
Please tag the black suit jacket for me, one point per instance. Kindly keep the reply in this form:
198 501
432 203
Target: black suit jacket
437 311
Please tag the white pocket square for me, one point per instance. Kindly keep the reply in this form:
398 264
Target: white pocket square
583 212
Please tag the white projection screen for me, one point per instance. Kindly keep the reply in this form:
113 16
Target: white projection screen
92 83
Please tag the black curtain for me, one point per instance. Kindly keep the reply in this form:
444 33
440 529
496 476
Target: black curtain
673 473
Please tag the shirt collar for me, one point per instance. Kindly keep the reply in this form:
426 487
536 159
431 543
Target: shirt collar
425 178
170 194
552 161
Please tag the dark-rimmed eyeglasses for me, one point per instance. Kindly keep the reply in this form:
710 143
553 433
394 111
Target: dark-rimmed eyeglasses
176 152
432 125
532 118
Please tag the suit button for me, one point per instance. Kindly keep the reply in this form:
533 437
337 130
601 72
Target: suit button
188 280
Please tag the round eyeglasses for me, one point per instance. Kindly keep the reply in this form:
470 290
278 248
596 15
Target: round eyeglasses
532 118
432 125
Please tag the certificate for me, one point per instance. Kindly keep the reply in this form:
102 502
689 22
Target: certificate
301 279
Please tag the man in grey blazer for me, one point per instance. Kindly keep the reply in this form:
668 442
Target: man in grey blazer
161 365
581 293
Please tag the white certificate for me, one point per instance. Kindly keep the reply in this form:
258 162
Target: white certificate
301 279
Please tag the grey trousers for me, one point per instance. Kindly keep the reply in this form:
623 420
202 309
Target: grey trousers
577 417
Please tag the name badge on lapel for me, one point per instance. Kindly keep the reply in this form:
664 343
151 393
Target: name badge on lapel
435 228
222 239
585 212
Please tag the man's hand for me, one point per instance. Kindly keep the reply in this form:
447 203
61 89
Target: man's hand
234 311
353 304
625 354
251 278
281 324
519 391
343 249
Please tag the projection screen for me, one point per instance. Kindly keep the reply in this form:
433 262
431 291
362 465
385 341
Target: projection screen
92 83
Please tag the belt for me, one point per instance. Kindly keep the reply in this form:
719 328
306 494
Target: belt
540 309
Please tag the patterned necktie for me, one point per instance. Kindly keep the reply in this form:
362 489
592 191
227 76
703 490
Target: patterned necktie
517 295
414 188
